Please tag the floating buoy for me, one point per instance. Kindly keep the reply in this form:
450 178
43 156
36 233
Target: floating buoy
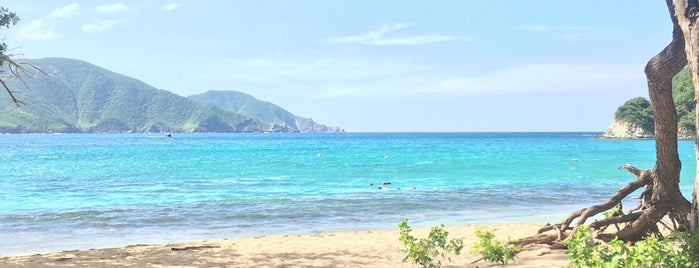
319 155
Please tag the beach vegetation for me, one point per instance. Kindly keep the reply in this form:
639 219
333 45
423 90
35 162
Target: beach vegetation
616 210
429 251
676 250
494 250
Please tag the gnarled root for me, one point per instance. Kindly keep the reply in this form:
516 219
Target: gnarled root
634 225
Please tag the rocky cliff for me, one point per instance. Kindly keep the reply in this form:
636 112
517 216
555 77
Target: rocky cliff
625 130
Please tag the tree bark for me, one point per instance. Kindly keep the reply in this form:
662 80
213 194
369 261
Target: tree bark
686 13
666 196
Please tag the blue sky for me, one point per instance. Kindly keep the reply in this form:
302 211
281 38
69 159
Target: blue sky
372 65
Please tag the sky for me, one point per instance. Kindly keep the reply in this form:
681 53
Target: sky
372 66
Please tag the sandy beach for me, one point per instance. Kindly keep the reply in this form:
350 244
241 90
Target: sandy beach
341 249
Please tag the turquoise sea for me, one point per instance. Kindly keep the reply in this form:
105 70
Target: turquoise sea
76 191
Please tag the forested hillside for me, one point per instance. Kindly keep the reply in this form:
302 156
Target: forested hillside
637 113
80 97
248 105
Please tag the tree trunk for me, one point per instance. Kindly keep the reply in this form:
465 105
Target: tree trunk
662 194
694 223
665 196
687 12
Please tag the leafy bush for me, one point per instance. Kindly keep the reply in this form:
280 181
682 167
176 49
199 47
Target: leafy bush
613 211
579 248
638 112
493 250
651 252
425 251
690 246
683 95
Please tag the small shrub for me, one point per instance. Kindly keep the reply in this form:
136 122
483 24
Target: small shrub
579 248
613 211
493 250
428 251
689 249
650 252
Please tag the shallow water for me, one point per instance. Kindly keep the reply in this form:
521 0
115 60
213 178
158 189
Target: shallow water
97 190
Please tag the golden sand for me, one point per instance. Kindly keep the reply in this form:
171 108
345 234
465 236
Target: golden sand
340 249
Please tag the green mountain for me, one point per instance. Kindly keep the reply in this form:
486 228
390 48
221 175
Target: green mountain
81 97
635 117
248 105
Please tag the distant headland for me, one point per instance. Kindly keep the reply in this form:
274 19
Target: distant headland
634 119
79 97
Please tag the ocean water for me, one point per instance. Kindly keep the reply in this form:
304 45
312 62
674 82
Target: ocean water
77 191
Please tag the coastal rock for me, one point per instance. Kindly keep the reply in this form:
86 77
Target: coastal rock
625 130
543 251
686 133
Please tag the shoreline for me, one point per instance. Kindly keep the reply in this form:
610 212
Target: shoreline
331 249
55 239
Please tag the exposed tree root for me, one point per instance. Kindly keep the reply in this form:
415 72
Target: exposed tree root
628 225
661 196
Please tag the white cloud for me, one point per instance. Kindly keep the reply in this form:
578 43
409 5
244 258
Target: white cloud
111 8
65 12
515 80
38 30
172 6
388 78
324 77
540 78
100 26
379 37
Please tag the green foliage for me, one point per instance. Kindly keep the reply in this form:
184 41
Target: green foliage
612 211
683 95
579 248
690 245
638 112
651 252
81 97
429 251
493 250
7 19
246 104
261 110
